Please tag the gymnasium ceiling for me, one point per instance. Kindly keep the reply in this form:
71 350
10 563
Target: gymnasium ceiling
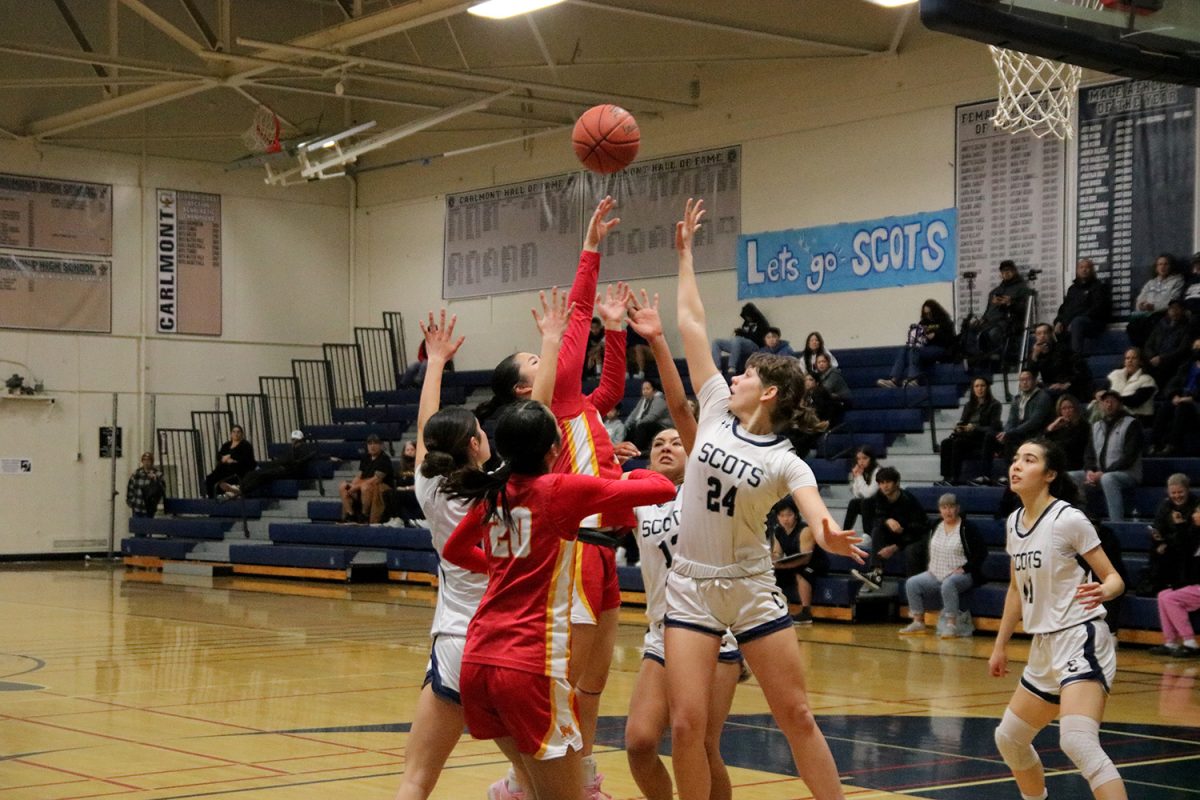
182 78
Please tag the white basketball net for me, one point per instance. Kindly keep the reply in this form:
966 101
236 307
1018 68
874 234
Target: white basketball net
263 134
1037 94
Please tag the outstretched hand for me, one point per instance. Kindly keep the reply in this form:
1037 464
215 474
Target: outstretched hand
1090 595
685 229
556 314
644 317
843 543
610 306
599 227
439 337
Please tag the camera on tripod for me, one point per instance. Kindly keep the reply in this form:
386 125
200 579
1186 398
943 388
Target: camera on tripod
968 275
1032 273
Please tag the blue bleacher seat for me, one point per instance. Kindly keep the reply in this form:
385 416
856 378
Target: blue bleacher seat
380 536
296 556
160 548
413 561
397 397
901 420
835 590
248 507
830 471
402 413
180 527
1155 471
983 500
995 566
347 451
357 431
988 600
630 579
324 510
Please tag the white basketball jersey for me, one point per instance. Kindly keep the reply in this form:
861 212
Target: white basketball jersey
733 479
459 591
657 535
1044 565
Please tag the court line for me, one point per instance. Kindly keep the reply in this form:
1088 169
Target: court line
79 774
1051 774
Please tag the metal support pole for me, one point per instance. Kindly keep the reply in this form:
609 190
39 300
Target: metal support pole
112 513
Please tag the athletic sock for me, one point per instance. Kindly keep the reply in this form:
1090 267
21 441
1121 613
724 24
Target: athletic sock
1045 794
514 785
589 770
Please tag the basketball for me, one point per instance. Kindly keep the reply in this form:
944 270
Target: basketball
606 138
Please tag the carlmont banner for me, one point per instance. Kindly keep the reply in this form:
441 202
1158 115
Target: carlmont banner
849 256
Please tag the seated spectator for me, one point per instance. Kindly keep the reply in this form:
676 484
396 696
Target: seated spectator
974 434
1177 424
1086 309
637 353
954 553
1113 460
1151 304
830 377
649 416
1031 411
1069 430
1056 366
234 459
595 348
145 489
406 466
806 562
1169 343
1191 292
930 339
614 425
1003 317
745 341
775 344
414 374
1170 526
1136 387
863 489
900 523
1175 605
814 346
290 465
362 497
824 408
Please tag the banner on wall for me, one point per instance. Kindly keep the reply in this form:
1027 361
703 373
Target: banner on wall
1010 194
187 257
1137 180
850 256
51 233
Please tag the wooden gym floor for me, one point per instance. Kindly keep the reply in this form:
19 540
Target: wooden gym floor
132 686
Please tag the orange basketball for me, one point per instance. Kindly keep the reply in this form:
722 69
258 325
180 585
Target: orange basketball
606 138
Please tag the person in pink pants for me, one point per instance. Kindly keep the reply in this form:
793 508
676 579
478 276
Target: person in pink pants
1174 605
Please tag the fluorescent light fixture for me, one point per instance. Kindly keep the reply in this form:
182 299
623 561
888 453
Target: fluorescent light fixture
503 9
893 3
330 142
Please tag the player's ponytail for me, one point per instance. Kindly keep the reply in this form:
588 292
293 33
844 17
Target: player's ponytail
447 436
789 415
1054 459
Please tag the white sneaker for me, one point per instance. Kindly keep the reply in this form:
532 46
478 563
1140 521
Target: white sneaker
914 628
501 791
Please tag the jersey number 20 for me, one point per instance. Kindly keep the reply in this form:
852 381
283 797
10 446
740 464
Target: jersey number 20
715 499
511 541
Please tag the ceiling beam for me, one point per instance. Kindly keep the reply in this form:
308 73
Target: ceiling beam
164 25
545 50
724 28
9 133
55 54
40 83
894 47
206 31
583 96
397 19
80 37
117 106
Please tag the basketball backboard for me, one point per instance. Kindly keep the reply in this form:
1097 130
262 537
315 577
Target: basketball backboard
1155 39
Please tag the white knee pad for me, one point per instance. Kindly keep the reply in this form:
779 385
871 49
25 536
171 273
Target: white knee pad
1014 740
1079 737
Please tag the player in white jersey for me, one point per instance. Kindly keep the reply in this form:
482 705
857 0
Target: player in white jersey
1072 659
447 440
657 534
721 575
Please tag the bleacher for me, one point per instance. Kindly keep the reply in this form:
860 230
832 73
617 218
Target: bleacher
289 530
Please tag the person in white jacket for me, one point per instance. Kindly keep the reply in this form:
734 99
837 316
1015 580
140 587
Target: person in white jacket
862 488
1136 387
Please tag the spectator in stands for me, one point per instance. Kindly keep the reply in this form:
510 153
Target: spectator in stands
291 464
1170 526
745 341
1176 424
1086 309
814 346
863 488
954 554
595 348
1030 412
234 459
900 523
1056 366
1003 317
145 489
649 416
1191 292
830 377
824 408
1175 605
930 339
414 374
637 353
974 435
1169 342
362 497
1163 287
806 562
775 344
1069 430
1113 460
1136 387
614 425
406 465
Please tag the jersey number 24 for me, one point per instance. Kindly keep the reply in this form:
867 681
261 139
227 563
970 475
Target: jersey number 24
719 499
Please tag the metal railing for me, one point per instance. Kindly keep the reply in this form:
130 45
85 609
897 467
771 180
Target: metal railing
281 396
394 322
250 411
381 369
314 385
212 428
179 454
346 377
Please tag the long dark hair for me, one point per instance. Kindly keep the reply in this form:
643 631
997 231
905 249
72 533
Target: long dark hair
1055 458
809 357
872 462
937 314
505 379
524 435
448 435
790 417
974 402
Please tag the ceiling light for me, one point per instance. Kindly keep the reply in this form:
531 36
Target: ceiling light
892 3
503 9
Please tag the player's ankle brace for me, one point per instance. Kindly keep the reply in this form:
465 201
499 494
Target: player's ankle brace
1014 740
1079 738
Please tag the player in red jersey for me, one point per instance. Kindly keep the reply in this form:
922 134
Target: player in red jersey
514 683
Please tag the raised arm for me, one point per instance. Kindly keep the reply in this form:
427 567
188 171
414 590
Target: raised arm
691 310
610 307
462 548
440 347
827 533
556 315
588 495
644 318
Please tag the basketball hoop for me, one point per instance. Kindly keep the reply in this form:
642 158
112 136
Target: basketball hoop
263 134
1037 94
